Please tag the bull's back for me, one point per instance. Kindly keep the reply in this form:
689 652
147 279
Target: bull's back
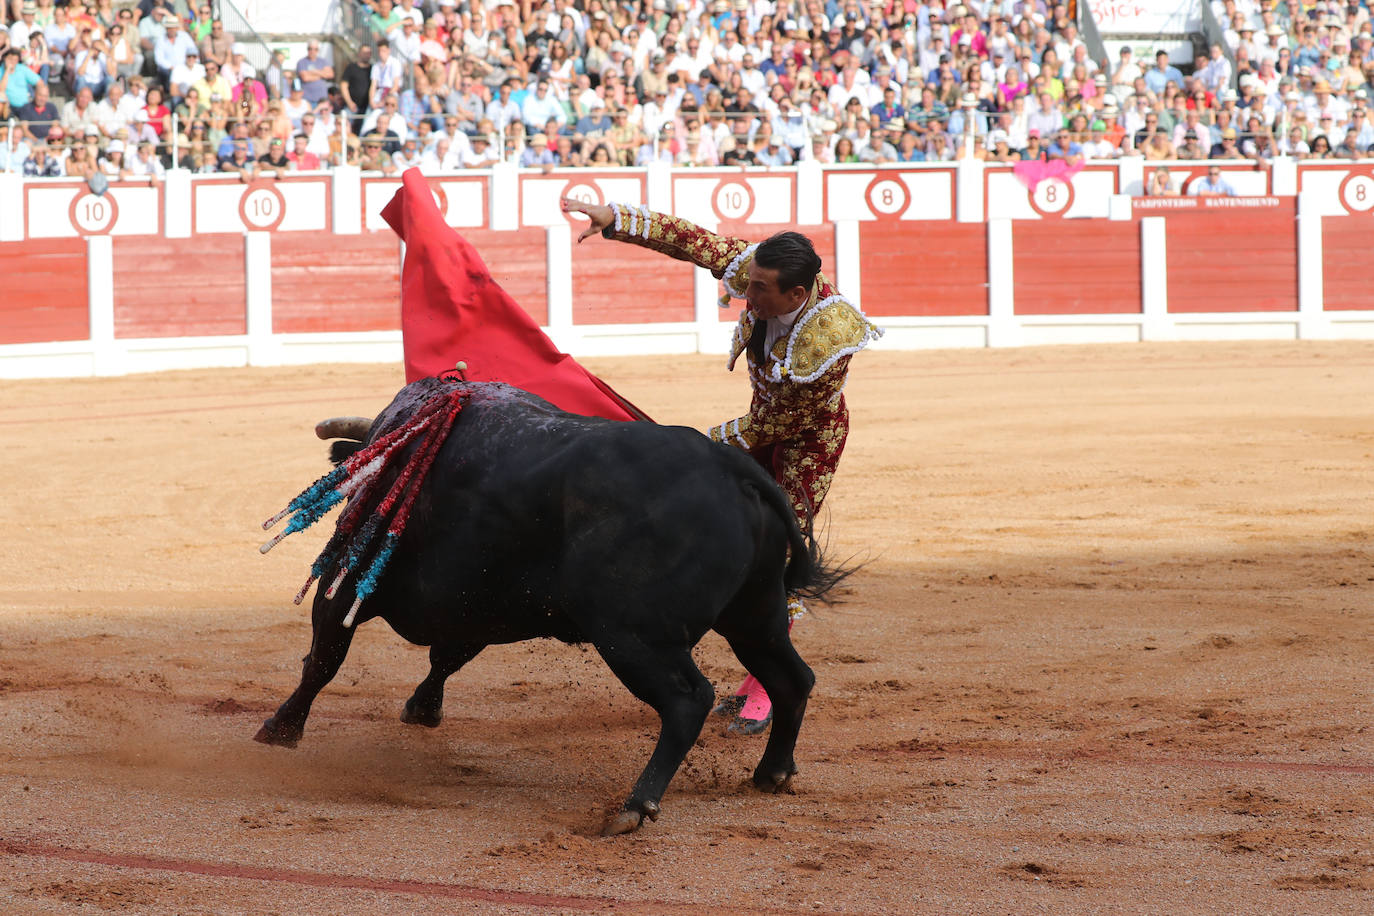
530 513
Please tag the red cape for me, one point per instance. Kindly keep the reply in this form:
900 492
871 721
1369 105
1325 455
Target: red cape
451 310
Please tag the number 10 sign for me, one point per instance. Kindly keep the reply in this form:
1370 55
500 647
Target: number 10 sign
262 206
93 214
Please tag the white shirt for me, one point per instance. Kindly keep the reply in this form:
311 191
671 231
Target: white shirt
781 326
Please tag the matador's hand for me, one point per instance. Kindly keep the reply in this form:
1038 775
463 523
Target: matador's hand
600 215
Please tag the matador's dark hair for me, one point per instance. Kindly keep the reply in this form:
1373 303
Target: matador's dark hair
792 255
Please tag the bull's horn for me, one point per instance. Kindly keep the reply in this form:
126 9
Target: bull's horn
344 428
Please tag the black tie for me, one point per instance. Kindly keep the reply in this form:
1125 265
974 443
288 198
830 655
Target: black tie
758 340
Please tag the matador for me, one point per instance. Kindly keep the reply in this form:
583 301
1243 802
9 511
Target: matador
797 334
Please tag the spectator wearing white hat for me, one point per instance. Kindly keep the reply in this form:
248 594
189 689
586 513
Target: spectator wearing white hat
538 154
112 163
171 50
238 68
140 130
774 151
185 75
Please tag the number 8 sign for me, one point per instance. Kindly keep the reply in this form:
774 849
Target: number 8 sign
1052 197
887 197
262 206
93 214
1357 193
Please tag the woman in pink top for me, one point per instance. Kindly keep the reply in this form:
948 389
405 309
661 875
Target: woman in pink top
1010 87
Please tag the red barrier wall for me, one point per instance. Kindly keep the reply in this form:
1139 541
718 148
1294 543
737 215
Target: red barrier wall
619 283
924 268
353 283
1205 245
44 291
179 287
1345 262
1076 267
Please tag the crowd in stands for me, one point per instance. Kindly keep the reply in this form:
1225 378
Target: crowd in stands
451 84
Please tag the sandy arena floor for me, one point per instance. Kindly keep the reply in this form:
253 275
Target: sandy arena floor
1112 653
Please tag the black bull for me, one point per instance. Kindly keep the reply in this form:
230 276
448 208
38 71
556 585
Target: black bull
634 537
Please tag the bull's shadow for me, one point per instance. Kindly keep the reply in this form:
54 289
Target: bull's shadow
532 522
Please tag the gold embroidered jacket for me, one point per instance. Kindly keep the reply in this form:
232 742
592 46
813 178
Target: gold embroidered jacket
799 387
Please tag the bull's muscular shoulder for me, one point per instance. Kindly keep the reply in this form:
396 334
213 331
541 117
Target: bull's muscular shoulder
825 333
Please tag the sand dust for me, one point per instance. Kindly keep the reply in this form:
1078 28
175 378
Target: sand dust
1111 653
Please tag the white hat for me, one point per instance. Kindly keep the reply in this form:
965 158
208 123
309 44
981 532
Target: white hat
116 146
968 100
1274 29
997 136
237 48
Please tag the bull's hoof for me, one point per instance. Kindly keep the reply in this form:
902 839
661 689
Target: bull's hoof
414 714
629 820
624 822
774 781
272 733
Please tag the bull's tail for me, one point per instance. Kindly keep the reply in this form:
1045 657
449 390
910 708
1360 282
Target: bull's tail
808 575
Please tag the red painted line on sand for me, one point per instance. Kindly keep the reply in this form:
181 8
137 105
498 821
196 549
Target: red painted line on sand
563 902
305 878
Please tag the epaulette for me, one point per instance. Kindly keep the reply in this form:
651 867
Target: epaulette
828 331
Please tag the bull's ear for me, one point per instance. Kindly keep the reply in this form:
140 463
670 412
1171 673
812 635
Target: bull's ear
341 450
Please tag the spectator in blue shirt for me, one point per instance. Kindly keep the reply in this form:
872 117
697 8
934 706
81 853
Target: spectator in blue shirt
1162 73
171 49
1064 148
12 158
1213 185
538 153
315 73
538 108
17 81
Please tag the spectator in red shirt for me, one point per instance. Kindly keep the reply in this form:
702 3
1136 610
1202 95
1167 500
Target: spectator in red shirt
301 159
